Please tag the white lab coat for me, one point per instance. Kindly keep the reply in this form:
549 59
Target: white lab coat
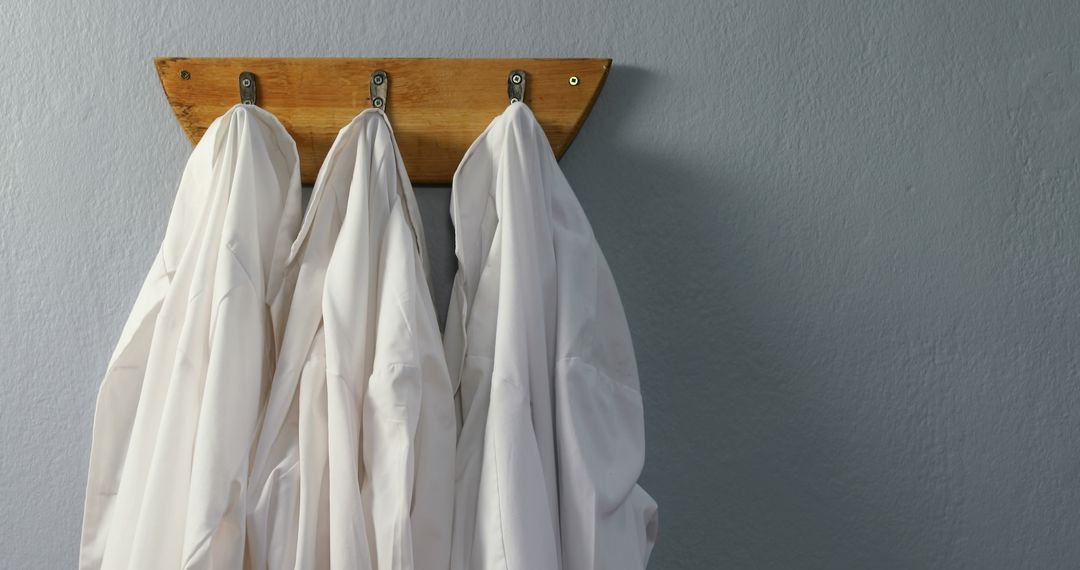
177 410
354 464
552 435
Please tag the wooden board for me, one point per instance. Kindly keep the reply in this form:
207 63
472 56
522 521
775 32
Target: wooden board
437 107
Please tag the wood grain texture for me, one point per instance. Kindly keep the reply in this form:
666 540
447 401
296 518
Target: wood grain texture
437 106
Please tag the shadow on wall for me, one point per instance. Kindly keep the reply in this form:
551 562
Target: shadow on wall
753 461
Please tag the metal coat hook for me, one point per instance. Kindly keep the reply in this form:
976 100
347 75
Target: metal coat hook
515 86
380 81
248 93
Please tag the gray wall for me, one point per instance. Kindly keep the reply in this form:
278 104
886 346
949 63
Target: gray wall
845 233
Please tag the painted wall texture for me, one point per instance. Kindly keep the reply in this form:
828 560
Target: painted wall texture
846 234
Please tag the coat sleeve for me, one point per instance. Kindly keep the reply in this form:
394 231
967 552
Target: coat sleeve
120 393
607 520
117 405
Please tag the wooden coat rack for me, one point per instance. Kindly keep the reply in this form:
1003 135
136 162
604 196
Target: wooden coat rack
437 107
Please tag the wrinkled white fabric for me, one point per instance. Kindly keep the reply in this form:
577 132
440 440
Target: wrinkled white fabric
177 410
354 464
552 431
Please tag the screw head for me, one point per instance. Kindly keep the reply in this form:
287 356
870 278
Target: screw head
516 78
573 80
377 102
513 99
378 79
185 74
246 82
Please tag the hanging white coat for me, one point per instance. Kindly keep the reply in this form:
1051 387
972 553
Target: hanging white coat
354 465
552 435
177 410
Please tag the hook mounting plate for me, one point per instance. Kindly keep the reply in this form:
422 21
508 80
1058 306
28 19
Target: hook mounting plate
249 94
515 86
380 82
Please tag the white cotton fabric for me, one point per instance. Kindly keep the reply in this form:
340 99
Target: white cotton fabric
354 463
178 408
552 436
